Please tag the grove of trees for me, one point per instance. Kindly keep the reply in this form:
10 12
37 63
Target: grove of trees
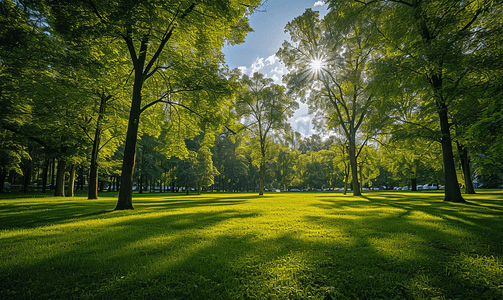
135 96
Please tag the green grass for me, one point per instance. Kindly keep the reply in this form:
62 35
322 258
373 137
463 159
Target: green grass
241 246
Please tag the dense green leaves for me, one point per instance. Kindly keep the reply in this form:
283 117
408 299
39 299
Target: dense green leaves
329 62
265 109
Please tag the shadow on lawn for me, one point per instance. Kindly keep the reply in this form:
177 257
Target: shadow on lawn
42 214
436 242
476 216
199 256
170 202
109 264
35 213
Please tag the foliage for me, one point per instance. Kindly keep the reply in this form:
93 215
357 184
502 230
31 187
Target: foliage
440 49
265 108
331 59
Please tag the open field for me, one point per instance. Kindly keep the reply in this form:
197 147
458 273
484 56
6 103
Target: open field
241 246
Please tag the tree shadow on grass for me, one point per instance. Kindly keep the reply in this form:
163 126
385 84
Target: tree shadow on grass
42 214
194 201
357 248
33 213
99 264
439 240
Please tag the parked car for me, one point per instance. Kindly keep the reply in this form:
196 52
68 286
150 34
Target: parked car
430 186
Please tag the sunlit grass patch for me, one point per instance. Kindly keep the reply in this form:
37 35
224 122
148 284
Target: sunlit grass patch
242 246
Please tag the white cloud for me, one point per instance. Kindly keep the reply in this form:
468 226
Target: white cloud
319 3
243 69
303 118
271 59
270 66
257 65
278 70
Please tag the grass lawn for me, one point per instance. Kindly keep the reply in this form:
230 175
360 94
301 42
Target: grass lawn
384 245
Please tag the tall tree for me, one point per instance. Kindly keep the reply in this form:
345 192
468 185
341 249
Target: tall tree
158 34
439 43
332 62
205 171
266 109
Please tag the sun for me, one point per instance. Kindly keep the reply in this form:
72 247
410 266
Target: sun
316 64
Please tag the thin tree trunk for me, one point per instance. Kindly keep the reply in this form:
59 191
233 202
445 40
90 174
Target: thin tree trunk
140 184
3 174
53 171
262 174
93 170
27 175
361 177
414 184
354 168
102 186
81 178
346 178
45 172
71 182
60 178
465 164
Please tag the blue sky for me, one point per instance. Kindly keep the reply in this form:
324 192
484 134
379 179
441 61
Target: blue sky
257 53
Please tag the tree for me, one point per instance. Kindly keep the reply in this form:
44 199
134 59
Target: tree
440 44
284 167
332 61
158 35
266 109
232 163
25 54
206 172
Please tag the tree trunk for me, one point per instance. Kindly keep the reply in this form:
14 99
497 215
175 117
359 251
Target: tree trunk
102 186
60 178
140 184
361 176
27 175
71 182
53 170
125 200
414 184
45 172
465 164
346 178
3 174
93 170
81 178
452 190
354 167
261 181
92 193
